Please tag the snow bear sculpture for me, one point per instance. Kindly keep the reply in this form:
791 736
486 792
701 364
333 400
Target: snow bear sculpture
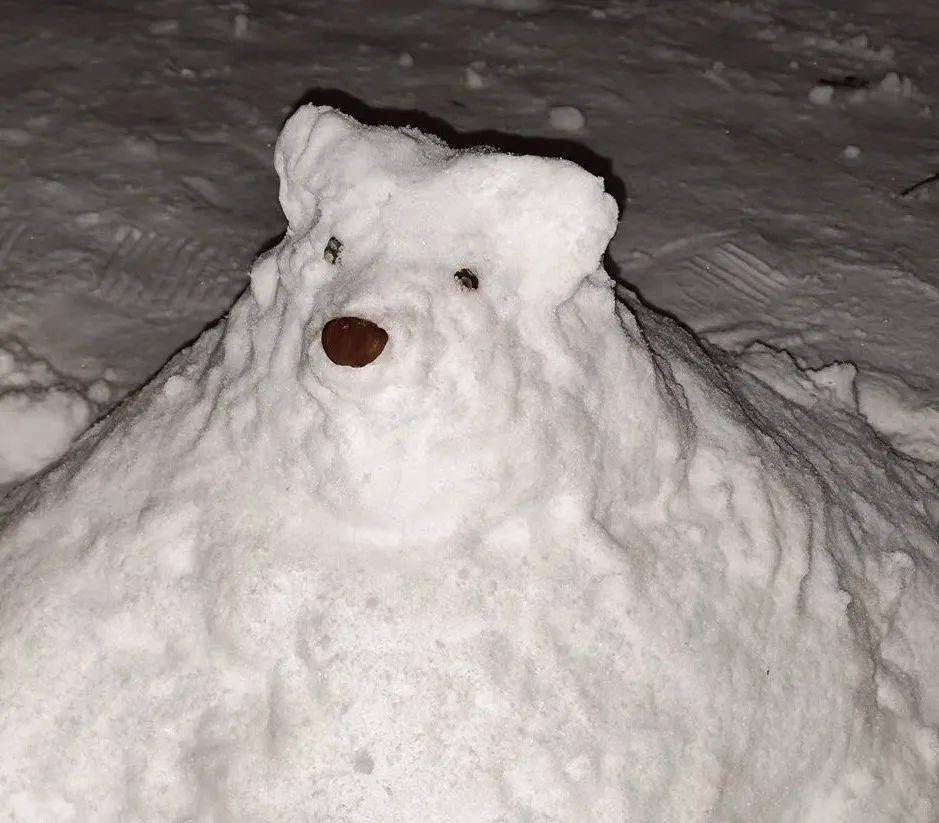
436 525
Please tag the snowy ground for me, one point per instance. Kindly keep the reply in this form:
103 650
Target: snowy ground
137 141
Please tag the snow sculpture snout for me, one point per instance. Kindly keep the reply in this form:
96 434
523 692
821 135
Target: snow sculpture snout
353 341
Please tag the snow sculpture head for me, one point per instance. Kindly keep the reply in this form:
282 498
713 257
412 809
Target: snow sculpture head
430 288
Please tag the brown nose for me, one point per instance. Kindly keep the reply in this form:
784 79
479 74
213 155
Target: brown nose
352 341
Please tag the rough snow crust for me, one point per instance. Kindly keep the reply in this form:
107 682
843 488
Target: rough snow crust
545 559
40 412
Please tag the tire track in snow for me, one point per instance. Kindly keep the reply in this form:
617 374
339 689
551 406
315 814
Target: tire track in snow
165 275
721 273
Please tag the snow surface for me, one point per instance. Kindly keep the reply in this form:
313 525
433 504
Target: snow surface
548 558
41 412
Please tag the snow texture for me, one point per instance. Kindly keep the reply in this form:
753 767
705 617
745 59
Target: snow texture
567 118
545 559
41 412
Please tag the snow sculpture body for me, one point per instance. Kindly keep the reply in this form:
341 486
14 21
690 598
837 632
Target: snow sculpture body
513 552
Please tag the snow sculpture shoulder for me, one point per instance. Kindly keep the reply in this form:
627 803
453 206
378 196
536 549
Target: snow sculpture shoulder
432 526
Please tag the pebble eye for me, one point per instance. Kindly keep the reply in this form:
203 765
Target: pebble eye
467 279
332 250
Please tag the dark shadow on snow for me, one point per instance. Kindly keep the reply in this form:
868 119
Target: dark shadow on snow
270 243
501 141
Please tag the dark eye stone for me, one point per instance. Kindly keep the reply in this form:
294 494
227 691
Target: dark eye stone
332 250
467 279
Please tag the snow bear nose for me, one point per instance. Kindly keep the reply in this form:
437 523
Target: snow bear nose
353 341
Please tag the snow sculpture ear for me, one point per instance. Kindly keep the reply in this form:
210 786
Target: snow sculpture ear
307 135
556 222
535 226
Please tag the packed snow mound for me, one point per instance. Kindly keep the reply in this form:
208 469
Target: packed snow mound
894 409
435 525
41 412
901 414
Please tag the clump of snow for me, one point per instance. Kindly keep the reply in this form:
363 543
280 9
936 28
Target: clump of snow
164 27
901 414
896 411
41 412
566 118
543 558
473 76
240 27
857 46
101 391
895 85
834 384
15 138
852 152
892 87
860 42
405 60
821 95
860 46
